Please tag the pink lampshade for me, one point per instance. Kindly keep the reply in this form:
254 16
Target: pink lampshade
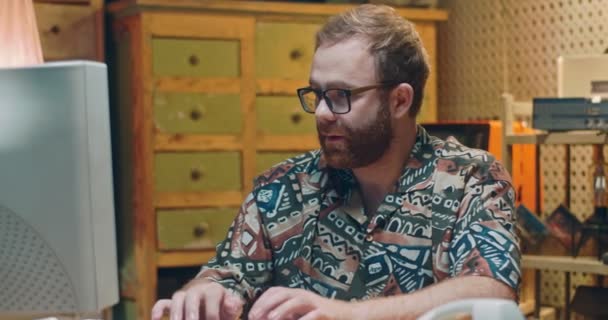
19 39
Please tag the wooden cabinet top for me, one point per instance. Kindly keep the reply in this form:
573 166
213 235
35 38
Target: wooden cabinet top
129 7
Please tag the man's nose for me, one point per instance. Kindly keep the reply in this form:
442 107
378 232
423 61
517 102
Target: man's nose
323 112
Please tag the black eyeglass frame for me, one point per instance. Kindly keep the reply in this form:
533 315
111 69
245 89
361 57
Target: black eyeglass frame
347 93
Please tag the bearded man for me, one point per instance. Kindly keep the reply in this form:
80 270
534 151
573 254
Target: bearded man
384 221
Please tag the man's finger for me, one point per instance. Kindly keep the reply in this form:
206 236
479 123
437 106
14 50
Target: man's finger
292 308
232 306
314 315
193 304
213 297
268 301
160 307
177 306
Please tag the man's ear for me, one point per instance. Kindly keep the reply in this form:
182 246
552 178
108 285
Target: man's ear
400 100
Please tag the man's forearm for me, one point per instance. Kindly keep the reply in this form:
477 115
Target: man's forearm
413 305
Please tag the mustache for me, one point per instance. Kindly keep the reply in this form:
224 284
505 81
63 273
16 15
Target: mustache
324 129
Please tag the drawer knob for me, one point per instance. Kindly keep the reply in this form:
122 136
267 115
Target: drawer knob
296 118
55 29
196 174
295 54
195 115
201 230
193 60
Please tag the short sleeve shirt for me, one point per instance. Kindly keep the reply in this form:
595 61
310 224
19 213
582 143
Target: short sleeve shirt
303 226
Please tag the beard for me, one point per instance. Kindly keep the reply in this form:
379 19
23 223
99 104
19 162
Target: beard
360 147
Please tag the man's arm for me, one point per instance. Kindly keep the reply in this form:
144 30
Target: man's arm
411 306
243 261
482 250
241 269
285 303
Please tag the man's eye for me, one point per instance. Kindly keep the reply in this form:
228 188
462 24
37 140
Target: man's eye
336 93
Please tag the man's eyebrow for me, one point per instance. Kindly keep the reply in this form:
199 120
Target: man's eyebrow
332 85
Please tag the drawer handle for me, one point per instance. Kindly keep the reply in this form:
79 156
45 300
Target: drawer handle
55 29
296 118
295 54
195 115
196 174
201 230
193 60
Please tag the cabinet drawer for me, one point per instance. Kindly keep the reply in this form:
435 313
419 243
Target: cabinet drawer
195 57
283 116
284 50
190 171
197 113
69 32
194 228
265 160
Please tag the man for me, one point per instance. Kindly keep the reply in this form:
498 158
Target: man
384 221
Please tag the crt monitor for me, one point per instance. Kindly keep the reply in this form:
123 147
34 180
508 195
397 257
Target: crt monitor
57 232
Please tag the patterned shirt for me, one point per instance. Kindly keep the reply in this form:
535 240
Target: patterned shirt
303 226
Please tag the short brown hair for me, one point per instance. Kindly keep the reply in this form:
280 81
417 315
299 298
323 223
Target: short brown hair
399 54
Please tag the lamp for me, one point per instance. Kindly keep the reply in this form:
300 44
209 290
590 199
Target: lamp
19 37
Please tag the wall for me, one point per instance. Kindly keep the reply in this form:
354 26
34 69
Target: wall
488 47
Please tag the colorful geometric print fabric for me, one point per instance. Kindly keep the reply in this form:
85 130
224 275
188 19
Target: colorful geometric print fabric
303 226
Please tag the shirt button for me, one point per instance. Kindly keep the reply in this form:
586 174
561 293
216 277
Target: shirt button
369 238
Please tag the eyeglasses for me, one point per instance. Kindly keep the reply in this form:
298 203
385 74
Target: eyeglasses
337 100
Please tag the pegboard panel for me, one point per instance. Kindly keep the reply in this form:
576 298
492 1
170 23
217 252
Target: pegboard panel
552 286
554 177
490 47
558 178
470 61
537 32
581 188
552 291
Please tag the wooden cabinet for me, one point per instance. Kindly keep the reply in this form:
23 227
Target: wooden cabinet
203 100
71 29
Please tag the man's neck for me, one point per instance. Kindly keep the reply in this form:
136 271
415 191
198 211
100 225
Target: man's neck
379 178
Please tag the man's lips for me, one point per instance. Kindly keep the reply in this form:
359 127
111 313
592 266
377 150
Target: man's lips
333 137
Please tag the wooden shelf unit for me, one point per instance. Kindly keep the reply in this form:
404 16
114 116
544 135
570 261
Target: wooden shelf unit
589 265
566 264
570 137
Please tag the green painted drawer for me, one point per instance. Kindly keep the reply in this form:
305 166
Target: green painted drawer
284 50
265 160
190 171
283 116
193 228
195 57
197 113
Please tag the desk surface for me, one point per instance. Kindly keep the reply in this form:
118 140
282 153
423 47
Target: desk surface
567 264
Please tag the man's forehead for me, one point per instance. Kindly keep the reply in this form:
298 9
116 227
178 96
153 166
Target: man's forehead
345 64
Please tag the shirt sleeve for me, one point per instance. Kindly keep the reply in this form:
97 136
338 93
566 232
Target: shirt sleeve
484 241
243 261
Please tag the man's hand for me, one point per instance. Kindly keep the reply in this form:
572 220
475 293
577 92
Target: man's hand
285 303
200 299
